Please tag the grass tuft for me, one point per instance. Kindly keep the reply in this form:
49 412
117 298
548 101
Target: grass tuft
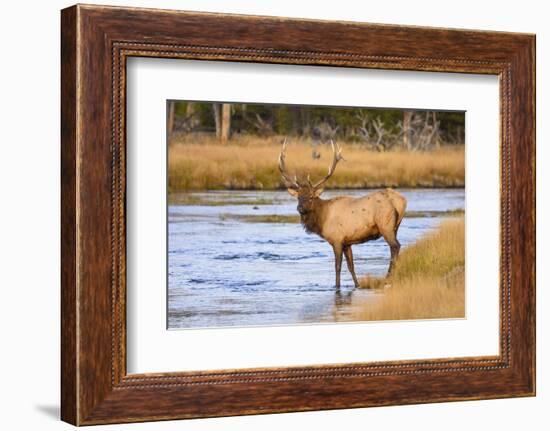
428 281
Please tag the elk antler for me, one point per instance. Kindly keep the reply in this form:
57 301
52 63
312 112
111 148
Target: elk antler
282 169
337 152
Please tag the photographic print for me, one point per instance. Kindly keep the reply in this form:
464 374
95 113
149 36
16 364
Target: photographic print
271 221
294 214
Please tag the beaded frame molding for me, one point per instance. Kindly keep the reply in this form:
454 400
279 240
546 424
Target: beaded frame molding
95 43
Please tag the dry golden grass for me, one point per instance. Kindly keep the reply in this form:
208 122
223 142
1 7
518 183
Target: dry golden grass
428 281
199 162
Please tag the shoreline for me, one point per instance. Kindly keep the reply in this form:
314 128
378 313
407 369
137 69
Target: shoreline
428 281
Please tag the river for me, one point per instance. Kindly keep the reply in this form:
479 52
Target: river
226 268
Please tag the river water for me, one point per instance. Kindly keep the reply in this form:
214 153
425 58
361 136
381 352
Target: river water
227 269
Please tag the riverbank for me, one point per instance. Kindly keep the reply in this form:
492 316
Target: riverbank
248 163
428 281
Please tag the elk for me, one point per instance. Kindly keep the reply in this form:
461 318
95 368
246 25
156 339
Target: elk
344 221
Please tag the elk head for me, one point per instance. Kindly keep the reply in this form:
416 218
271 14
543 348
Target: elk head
307 192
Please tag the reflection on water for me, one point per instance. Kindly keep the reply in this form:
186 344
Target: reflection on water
224 271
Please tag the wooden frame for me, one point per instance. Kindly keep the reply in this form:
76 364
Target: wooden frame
96 41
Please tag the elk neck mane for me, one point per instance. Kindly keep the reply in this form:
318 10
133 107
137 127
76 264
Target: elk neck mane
312 221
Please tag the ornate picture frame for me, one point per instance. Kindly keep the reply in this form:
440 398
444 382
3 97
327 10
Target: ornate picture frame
96 41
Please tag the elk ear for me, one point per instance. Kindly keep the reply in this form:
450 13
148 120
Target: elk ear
293 192
318 192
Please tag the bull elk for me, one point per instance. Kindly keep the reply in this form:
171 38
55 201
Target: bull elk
344 221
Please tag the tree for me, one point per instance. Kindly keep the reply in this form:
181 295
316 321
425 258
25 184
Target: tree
222 119
190 109
216 110
225 133
374 128
407 130
170 125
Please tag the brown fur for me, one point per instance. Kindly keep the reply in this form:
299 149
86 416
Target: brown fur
344 221
312 221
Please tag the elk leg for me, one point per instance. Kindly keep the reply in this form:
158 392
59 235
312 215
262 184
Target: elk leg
391 239
337 263
349 260
394 250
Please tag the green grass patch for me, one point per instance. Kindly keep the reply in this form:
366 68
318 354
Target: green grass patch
190 199
423 214
268 218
